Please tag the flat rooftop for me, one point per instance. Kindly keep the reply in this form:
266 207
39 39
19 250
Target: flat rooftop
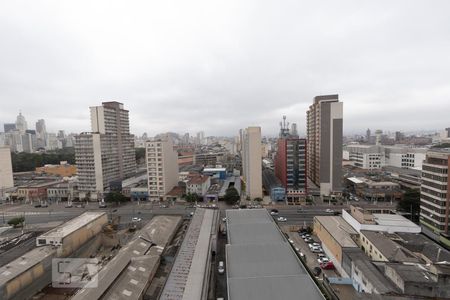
73 225
260 263
339 229
25 262
186 279
393 220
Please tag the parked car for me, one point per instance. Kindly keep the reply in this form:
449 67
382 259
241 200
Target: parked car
37 205
316 271
327 265
321 255
305 235
102 204
224 219
281 219
291 241
44 205
316 249
274 212
314 245
322 260
136 219
308 240
221 268
329 210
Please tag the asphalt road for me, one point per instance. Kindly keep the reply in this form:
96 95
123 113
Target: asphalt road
58 212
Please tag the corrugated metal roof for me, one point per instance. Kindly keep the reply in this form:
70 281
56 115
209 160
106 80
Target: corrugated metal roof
271 260
260 262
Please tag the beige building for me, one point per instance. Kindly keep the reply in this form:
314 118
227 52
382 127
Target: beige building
379 246
162 167
324 133
435 195
336 235
6 172
105 156
252 162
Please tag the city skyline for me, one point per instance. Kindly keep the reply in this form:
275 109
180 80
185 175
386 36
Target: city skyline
218 68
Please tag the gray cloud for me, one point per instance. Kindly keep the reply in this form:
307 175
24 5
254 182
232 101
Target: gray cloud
220 66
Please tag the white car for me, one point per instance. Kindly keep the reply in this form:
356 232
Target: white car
274 213
224 219
314 245
135 219
316 250
281 219
323 260
329 210
291 241
221 267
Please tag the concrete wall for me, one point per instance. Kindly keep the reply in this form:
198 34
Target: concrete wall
328 240
361 283
75 240
370 249
6 174
27 284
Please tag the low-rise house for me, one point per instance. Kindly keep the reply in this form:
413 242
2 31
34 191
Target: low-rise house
198 185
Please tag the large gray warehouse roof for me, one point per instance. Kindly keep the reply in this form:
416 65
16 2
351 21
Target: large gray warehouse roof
260 263
270 260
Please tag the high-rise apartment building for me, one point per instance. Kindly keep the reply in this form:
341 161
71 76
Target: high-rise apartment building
252 161
324 135
21 123
290 164
9 127
106 155
41 134
435 194
162 167
6 172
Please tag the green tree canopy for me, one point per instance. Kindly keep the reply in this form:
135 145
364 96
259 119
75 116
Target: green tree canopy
410 203
231 196
115 197
24 162
140 154
16 222
191 197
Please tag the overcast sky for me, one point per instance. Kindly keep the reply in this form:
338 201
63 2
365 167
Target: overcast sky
218 66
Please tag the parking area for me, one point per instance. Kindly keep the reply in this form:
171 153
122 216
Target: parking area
311 258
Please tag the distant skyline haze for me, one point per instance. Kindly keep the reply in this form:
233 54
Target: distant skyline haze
218 66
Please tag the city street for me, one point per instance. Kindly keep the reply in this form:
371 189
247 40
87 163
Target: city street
58 212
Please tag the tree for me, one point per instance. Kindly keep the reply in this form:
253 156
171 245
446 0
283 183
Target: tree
191 197
23 162
16 222
140 154
115 197
258 199
231 196
410 203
